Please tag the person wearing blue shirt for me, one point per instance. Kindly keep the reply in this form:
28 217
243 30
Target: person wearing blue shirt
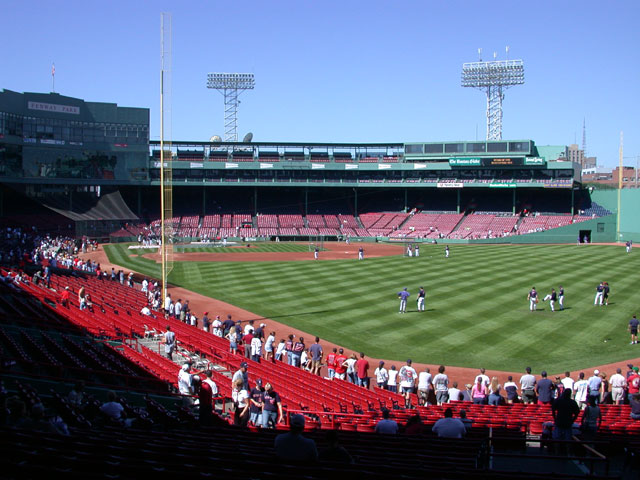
403 296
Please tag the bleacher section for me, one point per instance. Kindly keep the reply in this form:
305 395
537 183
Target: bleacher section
422 225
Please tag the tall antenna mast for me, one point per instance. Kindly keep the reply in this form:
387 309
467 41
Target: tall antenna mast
231 85
584 137
493 77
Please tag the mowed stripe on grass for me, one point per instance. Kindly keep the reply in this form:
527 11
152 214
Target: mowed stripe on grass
477 313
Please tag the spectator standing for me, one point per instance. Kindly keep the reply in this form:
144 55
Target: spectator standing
268 347
591 419
382 376
407 376
633 383
272 409
581 391
618 384
441 386
340 365
528 387
392 383
544 389
362 371
511 389
242 374
565 410
595 383
479 392
169 341
241 400
256 402
296 354
331 363
455 395
316 357
280 350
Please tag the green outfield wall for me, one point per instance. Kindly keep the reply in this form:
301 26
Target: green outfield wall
629 211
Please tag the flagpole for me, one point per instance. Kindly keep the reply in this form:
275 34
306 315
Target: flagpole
53 78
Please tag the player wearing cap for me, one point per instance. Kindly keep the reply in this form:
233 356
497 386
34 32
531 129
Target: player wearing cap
420 299
633 329
552 298
403 296
533 299
599 294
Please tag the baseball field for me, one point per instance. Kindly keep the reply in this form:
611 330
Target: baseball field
476 313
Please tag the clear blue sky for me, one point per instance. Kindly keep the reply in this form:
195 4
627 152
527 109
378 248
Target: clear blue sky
343 71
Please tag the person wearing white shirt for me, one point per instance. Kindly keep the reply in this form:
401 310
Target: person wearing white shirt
185 384
145 311
581 391
167 304
454 393
256 349
268 346
407 377
280 350
567 381
618 383
485 378
177 308
424 385
392 383
441 386
248 328
382 376
217 326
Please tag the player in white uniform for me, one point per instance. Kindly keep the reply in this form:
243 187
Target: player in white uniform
533 299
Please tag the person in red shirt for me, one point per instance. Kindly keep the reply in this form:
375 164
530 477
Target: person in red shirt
64 297
331 363
341 368
633 383
362 371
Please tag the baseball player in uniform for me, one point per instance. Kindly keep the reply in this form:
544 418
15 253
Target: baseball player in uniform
403 296
533 299
420 300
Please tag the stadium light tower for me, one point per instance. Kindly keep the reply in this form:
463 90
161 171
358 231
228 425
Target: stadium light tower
493 77
231 85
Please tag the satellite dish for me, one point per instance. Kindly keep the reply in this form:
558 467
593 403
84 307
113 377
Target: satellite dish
247 138
215 138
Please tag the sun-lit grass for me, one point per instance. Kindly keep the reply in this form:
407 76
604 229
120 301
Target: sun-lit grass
477 313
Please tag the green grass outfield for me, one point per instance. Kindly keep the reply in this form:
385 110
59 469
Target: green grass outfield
477 312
